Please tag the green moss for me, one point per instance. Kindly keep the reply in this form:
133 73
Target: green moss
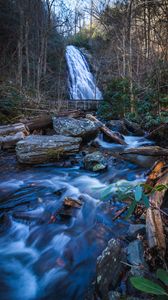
55 153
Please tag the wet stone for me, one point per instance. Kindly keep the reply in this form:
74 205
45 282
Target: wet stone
109 268
95 161
83 128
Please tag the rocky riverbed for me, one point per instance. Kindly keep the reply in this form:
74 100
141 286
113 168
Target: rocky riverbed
59 239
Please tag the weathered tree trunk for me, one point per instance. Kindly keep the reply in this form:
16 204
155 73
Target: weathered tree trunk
132 98
37 149
27 51
11 134
9 141
12 129
154 226
41 122
20 50
148 151
109 133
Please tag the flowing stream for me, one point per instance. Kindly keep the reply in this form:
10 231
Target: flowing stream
82 83
45 254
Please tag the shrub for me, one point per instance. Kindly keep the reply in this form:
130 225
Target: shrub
116 99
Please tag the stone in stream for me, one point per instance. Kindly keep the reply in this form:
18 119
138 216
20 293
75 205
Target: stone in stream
95 161
134 128
135 257
5 223
41 149
119 126
83 128
109 268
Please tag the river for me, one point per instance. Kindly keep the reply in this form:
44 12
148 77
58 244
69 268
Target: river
48 253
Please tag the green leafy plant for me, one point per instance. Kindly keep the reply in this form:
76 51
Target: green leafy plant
136 194
116 99
150 287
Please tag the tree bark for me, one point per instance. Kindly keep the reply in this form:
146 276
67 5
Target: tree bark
154 226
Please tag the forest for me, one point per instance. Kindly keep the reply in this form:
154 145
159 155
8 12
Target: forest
83 149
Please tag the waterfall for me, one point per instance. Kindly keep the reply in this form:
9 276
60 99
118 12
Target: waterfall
81 81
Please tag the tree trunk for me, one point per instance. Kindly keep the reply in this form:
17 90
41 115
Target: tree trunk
147 151
109 133
27 51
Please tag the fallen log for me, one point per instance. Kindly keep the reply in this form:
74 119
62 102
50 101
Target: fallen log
11 134
154 225
36 149
41 122
12 129
109 133
147 151
9 141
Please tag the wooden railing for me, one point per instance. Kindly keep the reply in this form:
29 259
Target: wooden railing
63 105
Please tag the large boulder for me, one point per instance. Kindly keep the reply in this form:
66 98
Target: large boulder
37 149
134 128
83 128
95 161
160 135
118 126
109 268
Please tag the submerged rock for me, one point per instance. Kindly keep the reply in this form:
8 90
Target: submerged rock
109 268
41 149
83 128
95 161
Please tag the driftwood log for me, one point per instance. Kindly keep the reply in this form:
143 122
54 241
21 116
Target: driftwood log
148 151
9 141
41 122
11 134
12 129
109 133
154 225
37 149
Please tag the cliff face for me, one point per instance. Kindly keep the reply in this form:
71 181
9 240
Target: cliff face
101 65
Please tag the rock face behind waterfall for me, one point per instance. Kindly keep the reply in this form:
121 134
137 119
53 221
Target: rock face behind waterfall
83 128
81 81
39 149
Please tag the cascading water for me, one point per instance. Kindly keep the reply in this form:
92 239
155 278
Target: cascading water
46 254
82 83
